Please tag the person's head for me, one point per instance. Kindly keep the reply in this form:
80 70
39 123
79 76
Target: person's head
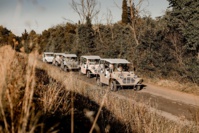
111 66
119 68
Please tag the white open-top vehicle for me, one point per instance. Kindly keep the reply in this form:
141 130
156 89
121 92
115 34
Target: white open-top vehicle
115 73
69 62
89 64
58 57
48 57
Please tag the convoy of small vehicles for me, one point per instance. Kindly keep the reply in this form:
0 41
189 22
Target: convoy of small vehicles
116 73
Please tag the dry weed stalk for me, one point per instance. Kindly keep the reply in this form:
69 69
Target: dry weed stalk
95 126
7 55
27 100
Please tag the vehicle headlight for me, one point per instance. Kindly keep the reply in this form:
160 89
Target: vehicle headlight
140 82
121 77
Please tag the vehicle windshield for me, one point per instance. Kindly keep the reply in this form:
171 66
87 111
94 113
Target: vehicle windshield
74 58
122 67
93 61
71 58
48 55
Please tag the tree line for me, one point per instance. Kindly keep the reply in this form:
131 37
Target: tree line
164 47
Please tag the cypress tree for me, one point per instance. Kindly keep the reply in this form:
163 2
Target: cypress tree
85 37
125 18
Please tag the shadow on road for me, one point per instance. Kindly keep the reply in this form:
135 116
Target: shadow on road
132 88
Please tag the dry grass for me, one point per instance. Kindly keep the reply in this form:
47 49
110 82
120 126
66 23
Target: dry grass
51 99
18 112
15 104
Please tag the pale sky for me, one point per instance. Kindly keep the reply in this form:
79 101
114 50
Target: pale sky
18 15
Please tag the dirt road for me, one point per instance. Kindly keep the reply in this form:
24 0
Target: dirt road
170 103
171 94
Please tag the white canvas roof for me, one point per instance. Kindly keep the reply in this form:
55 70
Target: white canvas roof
70 55
91 56
48 53
59 53
117 61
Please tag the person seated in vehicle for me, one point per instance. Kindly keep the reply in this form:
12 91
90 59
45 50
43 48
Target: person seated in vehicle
88 62
71 59
96 61
119 68
66 59
111 67
101 68
107 72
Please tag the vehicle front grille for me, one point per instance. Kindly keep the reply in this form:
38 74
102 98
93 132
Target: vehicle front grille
128 80
73 65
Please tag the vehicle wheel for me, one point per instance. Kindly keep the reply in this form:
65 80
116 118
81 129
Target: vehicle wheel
137 87
98 82
113 86
88 74
56 63
80 73
66 69
62 66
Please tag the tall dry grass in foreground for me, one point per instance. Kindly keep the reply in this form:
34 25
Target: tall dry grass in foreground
16 92
19 111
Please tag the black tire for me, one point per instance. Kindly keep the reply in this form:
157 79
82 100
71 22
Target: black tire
80 73
137 87
113 86
66 69
88 74
56 63
98 82
62 66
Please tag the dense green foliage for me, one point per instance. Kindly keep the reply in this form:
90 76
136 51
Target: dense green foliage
168 46
183 30
61 38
